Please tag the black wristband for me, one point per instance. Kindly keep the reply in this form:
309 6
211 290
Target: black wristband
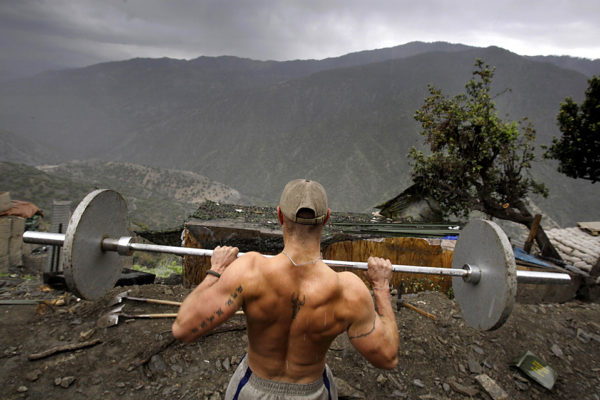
213 273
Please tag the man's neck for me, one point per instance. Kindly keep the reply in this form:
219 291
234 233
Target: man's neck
302 251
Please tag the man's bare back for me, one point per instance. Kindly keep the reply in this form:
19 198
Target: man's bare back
293 314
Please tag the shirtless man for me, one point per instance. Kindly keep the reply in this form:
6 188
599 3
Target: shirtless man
295 306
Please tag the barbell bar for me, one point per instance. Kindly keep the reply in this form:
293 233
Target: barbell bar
125 246
484 274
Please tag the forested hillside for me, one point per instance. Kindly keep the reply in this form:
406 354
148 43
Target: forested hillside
157 198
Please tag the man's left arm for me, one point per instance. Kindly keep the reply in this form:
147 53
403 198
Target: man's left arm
214 300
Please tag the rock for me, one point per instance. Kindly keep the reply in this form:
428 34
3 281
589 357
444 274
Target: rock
381 379
11 351
474 366
477 349
418 383
96 380
521 386
346 391
557 351
338 343
33 376
462 389
491 387
22 389
583 336
67 381
178 369
168 391
157 364
520 378
446 387
226 364
168 291
86 335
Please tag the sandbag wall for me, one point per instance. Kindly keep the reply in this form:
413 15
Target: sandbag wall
403 251
11 236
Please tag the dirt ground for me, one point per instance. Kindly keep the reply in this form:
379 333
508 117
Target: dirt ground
138 359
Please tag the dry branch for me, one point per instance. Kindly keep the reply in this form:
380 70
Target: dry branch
61 349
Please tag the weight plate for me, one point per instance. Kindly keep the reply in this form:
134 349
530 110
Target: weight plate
90 272
487 304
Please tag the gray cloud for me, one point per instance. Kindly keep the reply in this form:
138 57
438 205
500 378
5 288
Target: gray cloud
42 34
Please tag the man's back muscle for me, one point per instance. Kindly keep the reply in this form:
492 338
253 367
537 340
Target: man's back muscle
293 313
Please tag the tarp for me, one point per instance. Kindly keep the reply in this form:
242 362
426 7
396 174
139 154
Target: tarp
520 254
22 209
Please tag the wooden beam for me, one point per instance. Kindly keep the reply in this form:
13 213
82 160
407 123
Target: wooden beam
532 233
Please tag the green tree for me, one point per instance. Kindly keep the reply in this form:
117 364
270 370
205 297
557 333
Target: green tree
578 149
477 161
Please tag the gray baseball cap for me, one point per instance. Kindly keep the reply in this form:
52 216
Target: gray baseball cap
304 193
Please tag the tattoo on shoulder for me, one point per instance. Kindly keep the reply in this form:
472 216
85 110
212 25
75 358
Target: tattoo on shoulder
296 304
363 334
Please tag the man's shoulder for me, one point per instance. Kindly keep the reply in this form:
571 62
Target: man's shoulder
253 256
351 284
348 277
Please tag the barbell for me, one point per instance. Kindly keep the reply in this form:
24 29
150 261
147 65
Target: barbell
484 274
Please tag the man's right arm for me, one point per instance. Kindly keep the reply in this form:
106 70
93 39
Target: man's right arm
373 330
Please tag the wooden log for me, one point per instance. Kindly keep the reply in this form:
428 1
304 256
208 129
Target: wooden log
194 268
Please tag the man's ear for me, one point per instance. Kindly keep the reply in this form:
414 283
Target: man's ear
327 217
279 216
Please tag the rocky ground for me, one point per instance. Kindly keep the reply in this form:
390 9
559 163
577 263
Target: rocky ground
138 359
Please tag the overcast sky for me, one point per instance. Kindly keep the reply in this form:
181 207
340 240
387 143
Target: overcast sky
37 35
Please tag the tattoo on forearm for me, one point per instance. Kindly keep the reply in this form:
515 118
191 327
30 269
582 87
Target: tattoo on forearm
296 304
229 303
364 334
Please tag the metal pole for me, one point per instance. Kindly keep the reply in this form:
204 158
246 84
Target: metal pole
54 239
125 246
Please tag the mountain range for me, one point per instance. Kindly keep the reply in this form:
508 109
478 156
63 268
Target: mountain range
253 125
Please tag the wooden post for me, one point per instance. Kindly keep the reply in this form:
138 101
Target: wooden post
532 233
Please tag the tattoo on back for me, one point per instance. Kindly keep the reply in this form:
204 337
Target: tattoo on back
296 304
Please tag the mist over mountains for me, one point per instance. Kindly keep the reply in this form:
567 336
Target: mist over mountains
254 125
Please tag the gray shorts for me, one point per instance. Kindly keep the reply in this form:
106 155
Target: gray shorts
244 385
